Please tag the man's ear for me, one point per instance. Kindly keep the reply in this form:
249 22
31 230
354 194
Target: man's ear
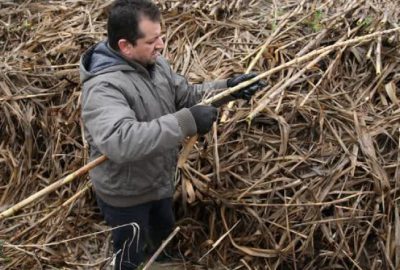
125 47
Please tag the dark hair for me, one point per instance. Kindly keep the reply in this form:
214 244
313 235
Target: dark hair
124 17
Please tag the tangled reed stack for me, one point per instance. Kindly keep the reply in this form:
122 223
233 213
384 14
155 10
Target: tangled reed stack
305 176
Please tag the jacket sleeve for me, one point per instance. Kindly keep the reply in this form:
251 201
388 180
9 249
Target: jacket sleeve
118 134
186 94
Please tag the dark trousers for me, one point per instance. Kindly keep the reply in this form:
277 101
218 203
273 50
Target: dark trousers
156 221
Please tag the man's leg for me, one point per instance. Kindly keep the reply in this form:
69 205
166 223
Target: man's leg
128 244
161 222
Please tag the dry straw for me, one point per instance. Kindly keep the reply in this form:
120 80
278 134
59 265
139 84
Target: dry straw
310 181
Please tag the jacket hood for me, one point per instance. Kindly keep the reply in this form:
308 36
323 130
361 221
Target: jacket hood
100 59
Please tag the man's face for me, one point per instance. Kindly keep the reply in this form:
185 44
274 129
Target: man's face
149 47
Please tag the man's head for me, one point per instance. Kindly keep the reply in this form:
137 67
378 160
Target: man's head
134 30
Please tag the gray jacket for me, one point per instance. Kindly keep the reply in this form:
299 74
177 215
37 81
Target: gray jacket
137 118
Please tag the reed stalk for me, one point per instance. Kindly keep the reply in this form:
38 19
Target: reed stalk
161 248
34 197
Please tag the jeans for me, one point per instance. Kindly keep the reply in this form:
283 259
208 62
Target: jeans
155 220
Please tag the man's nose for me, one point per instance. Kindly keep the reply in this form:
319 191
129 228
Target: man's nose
160 43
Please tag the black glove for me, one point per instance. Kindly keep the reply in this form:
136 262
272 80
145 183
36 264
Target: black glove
204 116
247 92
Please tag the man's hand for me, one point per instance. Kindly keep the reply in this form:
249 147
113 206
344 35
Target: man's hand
247 92
204 116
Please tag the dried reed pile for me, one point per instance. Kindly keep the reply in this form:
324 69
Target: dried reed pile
308 181
41 137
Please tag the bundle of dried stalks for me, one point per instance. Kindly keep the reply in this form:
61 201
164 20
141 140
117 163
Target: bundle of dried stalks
312 181
41 138
308 181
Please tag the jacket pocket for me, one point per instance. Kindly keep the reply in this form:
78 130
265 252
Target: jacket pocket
145 175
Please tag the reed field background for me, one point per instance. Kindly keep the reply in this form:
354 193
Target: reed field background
304 176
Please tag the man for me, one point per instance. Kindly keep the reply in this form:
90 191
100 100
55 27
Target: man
137 111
